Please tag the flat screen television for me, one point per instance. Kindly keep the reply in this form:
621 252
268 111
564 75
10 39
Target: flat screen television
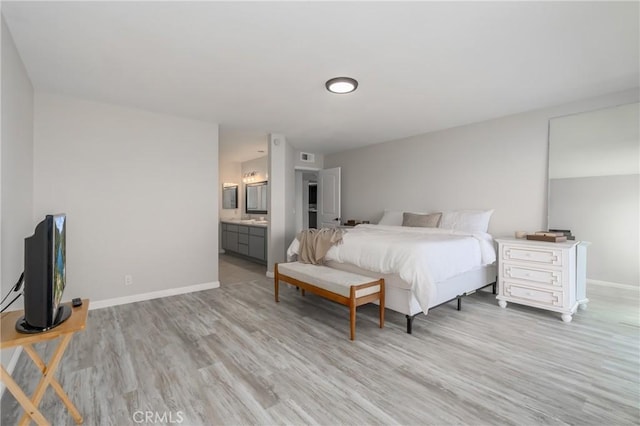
45 276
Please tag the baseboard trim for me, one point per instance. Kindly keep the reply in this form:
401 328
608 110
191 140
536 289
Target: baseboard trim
11 366
152 295
270 274
612 284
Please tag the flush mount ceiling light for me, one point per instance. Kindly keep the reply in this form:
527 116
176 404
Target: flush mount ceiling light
341 85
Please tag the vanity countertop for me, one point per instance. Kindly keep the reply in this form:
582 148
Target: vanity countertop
247 222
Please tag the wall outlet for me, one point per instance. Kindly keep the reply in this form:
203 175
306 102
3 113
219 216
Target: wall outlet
128 280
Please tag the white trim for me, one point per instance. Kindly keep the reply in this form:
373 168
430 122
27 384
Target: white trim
611 284
270 274
153 295
312 169
11 366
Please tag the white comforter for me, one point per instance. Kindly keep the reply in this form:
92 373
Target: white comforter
420 256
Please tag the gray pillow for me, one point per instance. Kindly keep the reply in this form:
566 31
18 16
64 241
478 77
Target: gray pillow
421 220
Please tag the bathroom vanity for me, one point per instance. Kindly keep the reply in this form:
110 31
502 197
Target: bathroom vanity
245 238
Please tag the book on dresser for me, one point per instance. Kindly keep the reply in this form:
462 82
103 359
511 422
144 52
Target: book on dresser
551 237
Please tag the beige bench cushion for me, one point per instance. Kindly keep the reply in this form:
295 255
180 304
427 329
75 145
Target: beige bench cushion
333 280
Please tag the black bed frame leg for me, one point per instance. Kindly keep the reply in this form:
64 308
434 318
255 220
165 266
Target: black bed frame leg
409 323
494 288
459 303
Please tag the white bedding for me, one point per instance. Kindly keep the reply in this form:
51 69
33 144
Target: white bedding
420 256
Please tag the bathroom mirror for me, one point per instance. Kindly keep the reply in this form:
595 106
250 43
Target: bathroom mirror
594 185
230 196
256 198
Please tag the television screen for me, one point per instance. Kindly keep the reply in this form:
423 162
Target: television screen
59 260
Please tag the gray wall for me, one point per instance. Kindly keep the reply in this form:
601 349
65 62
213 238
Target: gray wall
499 164
16 150
140 191
603 210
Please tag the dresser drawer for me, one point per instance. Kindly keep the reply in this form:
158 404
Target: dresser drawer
552 277
542 255
527 295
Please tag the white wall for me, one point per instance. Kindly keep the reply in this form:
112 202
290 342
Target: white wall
280 157
16 169
290 197
499 164
603 210
140 191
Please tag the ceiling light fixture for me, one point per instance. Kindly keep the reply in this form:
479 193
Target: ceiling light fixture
341 85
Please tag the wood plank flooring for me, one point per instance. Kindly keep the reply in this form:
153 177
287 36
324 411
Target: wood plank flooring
233 356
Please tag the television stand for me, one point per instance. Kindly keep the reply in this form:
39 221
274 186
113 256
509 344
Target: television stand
10 337
64 312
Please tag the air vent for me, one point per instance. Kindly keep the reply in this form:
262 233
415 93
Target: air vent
307 157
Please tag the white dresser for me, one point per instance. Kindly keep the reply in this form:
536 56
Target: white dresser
544 275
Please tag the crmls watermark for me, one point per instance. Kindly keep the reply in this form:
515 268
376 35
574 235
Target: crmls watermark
153 417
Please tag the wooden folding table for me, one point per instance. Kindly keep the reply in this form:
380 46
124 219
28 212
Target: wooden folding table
11 338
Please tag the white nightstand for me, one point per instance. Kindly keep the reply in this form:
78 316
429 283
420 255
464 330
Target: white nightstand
544 275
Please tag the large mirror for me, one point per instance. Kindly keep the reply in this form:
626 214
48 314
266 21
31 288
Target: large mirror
594 166
256 198
229 196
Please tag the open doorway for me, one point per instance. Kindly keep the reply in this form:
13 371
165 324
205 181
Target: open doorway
306 199
317 198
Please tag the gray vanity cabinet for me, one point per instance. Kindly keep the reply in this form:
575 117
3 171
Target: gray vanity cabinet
245 240
258 243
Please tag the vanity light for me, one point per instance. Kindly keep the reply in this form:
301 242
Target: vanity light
341 85
249 176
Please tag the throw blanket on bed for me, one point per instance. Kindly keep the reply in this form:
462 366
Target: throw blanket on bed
420 256
315 243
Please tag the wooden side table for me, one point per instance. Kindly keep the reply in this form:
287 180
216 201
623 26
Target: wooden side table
11 338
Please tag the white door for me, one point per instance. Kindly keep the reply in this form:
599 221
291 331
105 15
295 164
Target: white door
329 198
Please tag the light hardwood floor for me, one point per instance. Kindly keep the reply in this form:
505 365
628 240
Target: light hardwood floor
233 356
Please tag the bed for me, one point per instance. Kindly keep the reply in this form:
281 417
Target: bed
423 267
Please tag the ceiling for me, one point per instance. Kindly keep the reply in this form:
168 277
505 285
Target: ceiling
260 67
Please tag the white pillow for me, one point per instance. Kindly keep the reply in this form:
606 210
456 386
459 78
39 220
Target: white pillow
391 218
466 220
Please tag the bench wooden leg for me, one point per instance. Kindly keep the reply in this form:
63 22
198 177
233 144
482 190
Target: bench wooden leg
352 312
382 303
276 281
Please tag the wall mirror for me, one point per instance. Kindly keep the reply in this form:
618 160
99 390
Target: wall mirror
230 196
594 187
256 198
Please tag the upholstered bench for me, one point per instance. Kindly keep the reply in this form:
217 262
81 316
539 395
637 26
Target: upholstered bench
346 288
